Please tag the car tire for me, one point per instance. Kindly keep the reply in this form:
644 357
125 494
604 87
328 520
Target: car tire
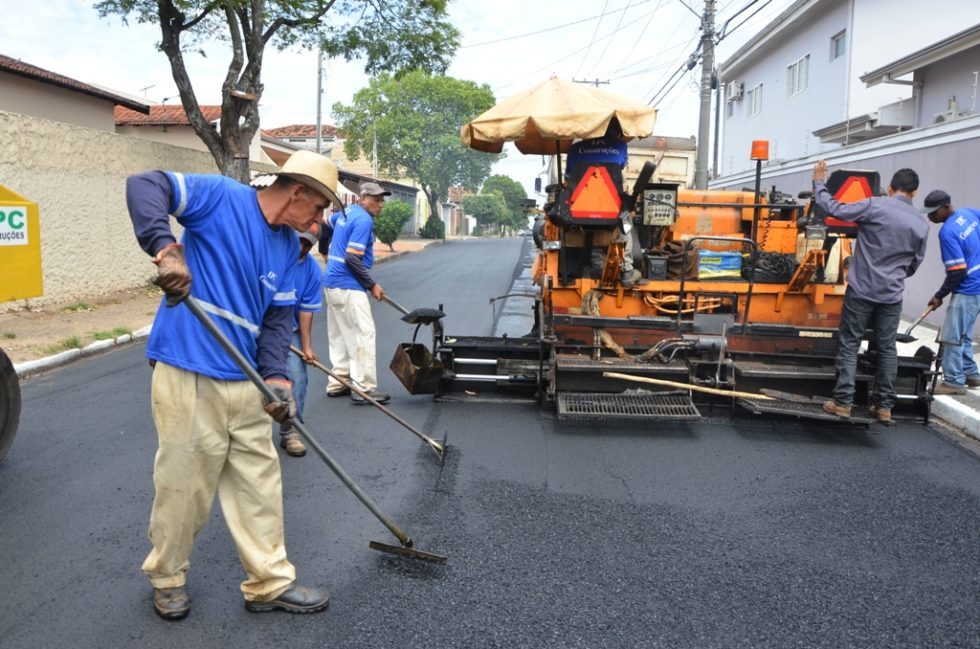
9 403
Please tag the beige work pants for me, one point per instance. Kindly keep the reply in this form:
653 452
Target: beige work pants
214 435
350 330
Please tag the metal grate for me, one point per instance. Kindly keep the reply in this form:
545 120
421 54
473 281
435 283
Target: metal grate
804 410
602 406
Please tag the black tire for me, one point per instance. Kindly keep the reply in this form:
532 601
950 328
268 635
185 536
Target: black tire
9 403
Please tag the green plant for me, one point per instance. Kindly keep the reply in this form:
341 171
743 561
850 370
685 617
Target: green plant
388 224
111 335
72 342
434 228
9 335
78 307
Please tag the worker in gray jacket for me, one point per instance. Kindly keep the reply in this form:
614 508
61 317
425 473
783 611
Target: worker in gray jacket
891 243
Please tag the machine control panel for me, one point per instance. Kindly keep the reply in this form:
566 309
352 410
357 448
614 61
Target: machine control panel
659 204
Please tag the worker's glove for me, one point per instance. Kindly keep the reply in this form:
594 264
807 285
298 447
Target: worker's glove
173 276
284 407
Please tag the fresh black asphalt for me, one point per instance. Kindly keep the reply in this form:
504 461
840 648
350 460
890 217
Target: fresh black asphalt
730 533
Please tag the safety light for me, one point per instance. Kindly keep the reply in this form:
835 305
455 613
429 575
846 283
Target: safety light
760 150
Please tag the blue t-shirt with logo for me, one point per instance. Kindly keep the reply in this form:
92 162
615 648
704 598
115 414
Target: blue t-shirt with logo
309 288
598 150
959 241
354 233
240 267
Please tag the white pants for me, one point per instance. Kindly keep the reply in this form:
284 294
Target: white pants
215 436
350 330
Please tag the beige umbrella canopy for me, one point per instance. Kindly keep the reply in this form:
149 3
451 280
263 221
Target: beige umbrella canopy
552 115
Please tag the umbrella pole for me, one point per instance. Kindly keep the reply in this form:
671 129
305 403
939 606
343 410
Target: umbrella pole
558 154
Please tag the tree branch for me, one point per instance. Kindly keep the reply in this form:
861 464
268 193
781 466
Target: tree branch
296 22
204 14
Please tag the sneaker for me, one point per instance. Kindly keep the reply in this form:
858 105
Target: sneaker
292 444
834 409
949 388
883 415
973 382
296 599
342 392
171 603
377 395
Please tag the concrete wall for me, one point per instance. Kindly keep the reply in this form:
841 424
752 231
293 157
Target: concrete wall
29 97
77 175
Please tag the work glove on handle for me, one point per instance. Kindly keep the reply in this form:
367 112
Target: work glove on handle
173 275
284 407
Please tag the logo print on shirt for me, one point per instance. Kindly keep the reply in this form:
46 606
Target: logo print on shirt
267 281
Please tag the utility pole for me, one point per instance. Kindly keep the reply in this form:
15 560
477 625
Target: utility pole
319 96
704 120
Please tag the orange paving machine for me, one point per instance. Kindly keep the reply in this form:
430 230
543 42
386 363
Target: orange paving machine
733 306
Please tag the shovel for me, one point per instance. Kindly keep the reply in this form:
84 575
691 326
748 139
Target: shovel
438 447
418 316
406 548
907 337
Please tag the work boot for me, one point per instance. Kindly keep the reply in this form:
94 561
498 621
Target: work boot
296 599
883 415
834 409
338 392
949 388
631 278
171 603
973 382
377 395
292 444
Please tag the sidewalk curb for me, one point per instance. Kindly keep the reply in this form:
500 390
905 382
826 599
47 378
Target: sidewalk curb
957 414
31 367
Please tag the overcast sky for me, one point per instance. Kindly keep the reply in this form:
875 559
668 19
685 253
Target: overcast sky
511 45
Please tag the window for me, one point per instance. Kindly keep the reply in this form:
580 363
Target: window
837 44
730 109
754 98
797 76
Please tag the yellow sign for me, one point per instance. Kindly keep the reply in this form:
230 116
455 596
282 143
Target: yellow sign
20 247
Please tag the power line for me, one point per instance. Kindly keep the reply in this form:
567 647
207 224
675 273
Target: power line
598 23
551 29
606 48
637 42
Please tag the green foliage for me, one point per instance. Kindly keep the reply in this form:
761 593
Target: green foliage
78 307
488 209
111 335
513 194
415 121
434 228
392 36
388 225
72 342
9 335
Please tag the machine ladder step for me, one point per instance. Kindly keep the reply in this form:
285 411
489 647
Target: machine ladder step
636 405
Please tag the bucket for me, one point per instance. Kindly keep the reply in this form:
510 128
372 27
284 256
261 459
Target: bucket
416 368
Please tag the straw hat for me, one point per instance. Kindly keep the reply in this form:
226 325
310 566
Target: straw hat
315 171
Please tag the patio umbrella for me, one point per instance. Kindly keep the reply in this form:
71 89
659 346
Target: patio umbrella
548 117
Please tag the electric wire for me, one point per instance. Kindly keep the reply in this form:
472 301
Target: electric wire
551 29
597 25
606 48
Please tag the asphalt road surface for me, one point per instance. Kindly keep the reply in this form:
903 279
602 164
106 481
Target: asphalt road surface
732 533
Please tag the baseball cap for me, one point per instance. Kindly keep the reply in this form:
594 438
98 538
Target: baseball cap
373 189
936 199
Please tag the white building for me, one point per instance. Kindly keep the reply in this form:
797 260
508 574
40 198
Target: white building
802 75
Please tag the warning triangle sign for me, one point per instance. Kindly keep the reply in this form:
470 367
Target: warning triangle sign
596 196
854 189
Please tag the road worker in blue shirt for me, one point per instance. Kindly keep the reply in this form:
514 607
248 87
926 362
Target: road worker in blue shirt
238 258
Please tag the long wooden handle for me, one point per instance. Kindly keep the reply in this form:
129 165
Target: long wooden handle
688 386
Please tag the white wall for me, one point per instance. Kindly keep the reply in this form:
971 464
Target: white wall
29 97
954 77
77 176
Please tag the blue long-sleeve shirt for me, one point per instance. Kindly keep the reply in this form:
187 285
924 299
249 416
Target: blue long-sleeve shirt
891 242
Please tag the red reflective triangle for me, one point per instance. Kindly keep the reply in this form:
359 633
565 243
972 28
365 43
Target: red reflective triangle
854 189
596 196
